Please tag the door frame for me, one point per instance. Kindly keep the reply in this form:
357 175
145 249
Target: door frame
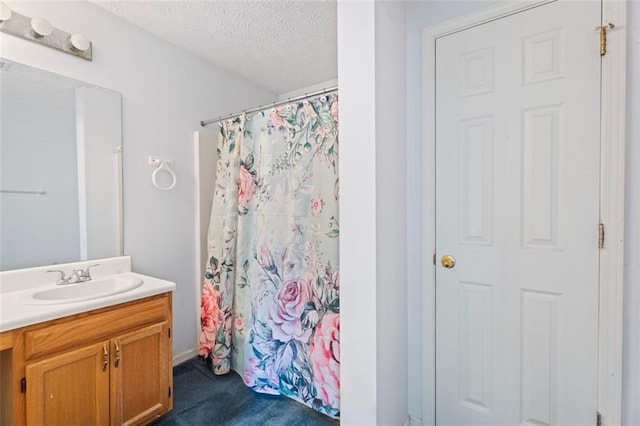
612 175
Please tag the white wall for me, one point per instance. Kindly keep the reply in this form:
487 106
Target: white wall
371 71
424 14
165 92
391 224
358 292
38 150
631 366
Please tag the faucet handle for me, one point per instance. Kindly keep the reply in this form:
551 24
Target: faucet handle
62 279
87 272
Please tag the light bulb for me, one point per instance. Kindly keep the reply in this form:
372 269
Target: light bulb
79 42
5 12
41 27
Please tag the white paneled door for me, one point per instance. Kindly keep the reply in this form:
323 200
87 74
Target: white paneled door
517 196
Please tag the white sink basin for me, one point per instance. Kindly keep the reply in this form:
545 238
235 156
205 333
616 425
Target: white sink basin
94 289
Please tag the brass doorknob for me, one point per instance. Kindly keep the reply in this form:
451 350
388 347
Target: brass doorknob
448 261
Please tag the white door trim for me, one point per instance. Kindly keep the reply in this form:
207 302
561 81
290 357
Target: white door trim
612 175
613 118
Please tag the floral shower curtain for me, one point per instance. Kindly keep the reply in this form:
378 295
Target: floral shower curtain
270 299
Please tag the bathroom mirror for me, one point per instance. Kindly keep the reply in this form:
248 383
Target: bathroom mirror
60 169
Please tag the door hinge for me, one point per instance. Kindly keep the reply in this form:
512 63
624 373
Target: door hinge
169 333
601 235
603 37
434 258
23 385
169 392
598 418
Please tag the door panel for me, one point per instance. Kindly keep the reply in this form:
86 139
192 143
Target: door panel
69 389
517 196
140 375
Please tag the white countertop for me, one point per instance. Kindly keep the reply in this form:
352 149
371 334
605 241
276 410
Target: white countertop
16 285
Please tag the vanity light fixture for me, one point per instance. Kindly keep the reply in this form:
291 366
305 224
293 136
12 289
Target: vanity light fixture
5 12
40 31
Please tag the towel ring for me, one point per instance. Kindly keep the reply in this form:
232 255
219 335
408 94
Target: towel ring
164 165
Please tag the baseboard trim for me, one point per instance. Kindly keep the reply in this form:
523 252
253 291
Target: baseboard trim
185 356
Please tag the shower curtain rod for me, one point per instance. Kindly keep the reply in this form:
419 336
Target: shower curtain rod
275 104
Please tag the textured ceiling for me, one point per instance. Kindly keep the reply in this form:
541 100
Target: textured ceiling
281 45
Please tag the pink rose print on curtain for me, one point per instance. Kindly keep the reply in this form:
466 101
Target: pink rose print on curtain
286 310
276 120
316 206
324 352
239 323
246 186
334 111
265 259
262 377
211 318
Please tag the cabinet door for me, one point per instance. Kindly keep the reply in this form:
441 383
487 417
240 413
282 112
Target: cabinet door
141 375
70 389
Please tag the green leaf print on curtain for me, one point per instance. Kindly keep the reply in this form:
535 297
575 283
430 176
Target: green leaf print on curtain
270 299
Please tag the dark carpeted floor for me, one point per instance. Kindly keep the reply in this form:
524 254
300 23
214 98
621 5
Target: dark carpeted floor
201 398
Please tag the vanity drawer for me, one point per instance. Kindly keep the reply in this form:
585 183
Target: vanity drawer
87 327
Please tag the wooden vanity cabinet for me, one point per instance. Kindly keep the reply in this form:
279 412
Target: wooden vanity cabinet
106 367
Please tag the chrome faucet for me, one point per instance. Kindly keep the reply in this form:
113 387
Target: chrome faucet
84 275
77 276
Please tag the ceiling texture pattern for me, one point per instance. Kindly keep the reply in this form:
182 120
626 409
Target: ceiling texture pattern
280 45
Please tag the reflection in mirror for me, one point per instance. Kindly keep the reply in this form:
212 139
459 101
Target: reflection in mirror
60 169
